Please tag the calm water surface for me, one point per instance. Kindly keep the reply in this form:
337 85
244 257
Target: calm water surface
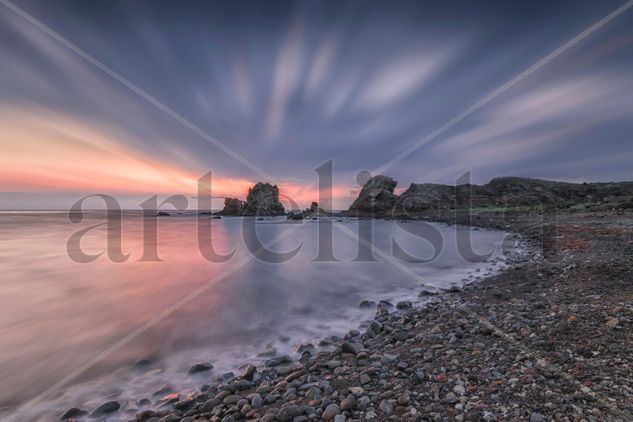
57 315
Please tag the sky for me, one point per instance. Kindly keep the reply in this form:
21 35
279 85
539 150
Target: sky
287 86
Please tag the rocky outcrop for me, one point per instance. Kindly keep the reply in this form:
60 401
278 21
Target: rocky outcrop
232 206
376 197
263 199
313 212
509 192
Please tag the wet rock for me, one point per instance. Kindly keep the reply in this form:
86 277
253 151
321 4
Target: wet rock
277 361
306 348
73 413
163 390
105 409
200 367
366 304
249 372
404 305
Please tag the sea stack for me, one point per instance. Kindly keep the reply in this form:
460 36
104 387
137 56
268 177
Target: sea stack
232 206
376 197
263 199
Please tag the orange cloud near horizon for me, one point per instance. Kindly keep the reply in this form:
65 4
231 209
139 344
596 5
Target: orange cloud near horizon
46 151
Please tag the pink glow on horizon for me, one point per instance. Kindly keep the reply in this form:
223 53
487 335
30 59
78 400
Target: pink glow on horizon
44 151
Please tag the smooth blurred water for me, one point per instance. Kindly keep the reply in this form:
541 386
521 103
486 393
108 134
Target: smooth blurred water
56 315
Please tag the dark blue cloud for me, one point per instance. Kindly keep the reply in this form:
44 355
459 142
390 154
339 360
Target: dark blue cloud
289 85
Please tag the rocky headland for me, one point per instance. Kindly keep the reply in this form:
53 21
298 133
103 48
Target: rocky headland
377 196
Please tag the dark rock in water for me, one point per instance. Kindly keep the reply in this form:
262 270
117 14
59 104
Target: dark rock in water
404 305
427 293
142 363
279 360
376 197
366 304
200 367
375 327
162 214
232 206
263 199
143 402
106 408
224 377
295 216
314 211
384 305
72 413
306 348
162 390
169 398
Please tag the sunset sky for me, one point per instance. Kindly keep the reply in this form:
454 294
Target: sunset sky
290 85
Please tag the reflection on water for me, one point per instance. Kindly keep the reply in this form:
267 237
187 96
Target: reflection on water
56 314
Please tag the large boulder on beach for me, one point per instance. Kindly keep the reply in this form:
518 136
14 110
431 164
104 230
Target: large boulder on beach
232 206
376 197
263 199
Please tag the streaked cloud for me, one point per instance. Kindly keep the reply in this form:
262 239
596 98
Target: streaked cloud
289 86
405 76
